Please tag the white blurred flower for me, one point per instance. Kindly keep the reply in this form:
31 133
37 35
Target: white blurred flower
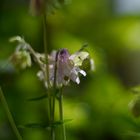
67 67
21 57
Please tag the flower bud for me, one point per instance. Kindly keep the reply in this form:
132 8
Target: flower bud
21 59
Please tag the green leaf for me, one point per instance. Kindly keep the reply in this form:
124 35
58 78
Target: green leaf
61 122
43 125
35 126
85 45
38 98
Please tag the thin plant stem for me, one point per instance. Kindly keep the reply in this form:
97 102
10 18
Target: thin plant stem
51 101
54 95
46 48
9 115
52 118
46 61
52 121
61 113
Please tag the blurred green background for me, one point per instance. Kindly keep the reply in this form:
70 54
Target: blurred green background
99 105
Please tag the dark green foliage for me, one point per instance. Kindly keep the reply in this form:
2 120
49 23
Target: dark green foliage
99 105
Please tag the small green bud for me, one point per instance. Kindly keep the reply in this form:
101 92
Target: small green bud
21 59
17 38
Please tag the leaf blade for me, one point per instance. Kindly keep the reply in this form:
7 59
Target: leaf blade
38 98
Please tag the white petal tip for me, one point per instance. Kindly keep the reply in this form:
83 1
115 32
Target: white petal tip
92 65
77 80
46 84
83 72
40 75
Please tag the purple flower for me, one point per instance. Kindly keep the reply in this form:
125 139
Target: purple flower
67 67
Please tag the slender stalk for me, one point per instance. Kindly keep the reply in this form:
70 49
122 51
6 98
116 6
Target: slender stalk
54 94
52 117
61 113
52 120
9 115
46 61
51 101
46 48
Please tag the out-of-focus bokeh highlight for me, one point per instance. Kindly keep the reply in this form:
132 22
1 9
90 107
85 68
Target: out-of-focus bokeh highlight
99 105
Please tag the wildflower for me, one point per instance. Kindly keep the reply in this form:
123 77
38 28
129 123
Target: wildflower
21 57
63 67
67 67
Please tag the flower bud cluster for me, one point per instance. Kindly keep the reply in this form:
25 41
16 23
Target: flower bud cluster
21 57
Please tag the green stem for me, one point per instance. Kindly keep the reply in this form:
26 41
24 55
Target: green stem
46 48
9 115
62 115
54 94
52 119
46 60
51 102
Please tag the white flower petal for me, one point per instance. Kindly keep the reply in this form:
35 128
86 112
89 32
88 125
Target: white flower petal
79 57
77 80
53 55
40 75
92 64
67 67
46 84
83 72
